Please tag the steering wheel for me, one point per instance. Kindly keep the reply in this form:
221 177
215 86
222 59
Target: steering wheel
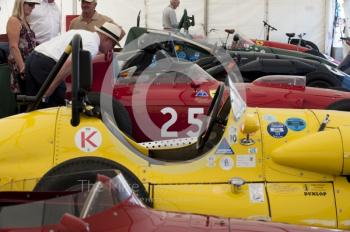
212 115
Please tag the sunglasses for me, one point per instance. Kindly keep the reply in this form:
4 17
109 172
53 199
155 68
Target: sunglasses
30 4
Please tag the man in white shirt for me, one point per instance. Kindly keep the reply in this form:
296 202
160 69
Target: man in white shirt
169 16
45 56
45 21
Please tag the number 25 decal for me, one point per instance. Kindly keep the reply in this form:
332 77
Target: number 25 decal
191 120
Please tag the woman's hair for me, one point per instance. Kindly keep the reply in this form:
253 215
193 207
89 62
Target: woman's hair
18 10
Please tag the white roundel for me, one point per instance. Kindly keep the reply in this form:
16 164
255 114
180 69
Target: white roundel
88 139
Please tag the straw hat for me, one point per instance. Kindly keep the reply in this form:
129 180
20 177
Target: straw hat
111 30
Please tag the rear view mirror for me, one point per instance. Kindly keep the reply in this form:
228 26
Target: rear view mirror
82 78
85 70
250 126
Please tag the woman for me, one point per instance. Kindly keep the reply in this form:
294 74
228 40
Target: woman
21 41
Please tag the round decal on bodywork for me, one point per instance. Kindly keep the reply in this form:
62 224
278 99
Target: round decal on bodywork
277 130
88 139
296 124
226 163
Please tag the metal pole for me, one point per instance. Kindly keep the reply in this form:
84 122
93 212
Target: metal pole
146 13
266 16
206 14
75 7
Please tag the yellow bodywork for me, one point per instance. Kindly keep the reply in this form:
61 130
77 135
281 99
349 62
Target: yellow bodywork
297 178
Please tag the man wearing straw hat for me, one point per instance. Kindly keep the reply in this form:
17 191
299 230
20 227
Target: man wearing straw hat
45 56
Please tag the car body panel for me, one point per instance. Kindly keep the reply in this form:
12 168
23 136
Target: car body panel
308 199
184 198
101 143
36 130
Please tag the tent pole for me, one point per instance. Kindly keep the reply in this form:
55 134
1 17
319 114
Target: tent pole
266 16
75 7
206 13
146 13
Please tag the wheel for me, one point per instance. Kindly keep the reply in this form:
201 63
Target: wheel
320 84
212 115
77 173
342 105
321 80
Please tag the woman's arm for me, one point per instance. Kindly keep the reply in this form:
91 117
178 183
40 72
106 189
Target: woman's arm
13 30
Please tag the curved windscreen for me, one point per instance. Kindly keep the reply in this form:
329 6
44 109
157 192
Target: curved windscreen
282 81
36 209
166 85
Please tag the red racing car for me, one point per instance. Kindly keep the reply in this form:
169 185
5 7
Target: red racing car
170 105
111 205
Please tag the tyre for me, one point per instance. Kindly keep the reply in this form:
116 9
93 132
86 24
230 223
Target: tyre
321 80
74 174
342 105
319 84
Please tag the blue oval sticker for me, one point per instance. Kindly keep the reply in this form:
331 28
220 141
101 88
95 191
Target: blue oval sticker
296 124
277 130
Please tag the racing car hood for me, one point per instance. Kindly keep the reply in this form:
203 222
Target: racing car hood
19 133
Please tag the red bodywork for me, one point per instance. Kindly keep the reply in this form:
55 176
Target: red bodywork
274 44
131 215
270 95
128 217
182 96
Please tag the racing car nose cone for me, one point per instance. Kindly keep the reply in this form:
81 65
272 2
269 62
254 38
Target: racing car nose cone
318 152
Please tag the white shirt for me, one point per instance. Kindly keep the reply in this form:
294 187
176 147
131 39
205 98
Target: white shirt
45 21
169 18
55 47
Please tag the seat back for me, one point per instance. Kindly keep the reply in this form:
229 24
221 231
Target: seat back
118 112
7 98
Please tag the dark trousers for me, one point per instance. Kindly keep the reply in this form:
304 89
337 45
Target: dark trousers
38 68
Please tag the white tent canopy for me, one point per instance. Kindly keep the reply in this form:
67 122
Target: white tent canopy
313 17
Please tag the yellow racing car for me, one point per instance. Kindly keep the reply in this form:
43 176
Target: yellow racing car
288 166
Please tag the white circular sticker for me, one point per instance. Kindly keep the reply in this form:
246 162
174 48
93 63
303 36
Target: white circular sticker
88 139
226 163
